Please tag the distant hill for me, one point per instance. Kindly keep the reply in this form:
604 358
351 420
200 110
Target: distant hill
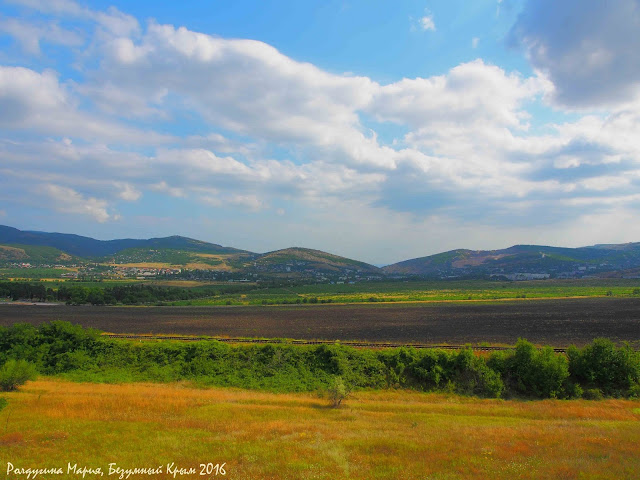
42 247
91 248
522 258
298 259
34 254
174 250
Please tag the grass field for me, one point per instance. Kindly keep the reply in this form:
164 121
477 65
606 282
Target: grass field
478 290
385 435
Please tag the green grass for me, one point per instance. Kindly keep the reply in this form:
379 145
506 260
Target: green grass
428 291
32 273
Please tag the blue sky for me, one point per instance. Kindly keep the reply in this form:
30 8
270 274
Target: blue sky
376 130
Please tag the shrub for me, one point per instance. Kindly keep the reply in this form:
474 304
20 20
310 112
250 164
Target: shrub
592 394
601 365
472 376
337 391
432 370
532 372
3 403
15 373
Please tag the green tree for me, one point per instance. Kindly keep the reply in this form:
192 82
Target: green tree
15 373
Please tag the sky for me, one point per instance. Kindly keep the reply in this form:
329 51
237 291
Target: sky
376 130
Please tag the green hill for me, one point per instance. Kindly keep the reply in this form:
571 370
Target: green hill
522 258
297 259
34 254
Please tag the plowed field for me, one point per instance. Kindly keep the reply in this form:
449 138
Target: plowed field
553 322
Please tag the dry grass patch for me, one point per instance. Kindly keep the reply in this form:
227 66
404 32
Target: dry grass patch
259 435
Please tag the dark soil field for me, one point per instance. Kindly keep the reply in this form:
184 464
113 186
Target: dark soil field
551 322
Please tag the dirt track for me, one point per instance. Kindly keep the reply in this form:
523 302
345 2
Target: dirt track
553 322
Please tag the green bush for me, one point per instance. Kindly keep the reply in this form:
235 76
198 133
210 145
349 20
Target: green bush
532 372
3 403
472 376
62 348
15 373
432 370
604 366
337 392
593 394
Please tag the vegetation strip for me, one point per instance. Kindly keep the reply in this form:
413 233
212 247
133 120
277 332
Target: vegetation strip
314 342
60 348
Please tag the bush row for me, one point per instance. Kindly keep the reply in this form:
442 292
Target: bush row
101 295
60 348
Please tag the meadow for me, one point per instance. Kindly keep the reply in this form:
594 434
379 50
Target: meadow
259 435
425 291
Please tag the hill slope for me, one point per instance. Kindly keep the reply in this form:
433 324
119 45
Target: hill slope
91 248
298 259
34 254
522 258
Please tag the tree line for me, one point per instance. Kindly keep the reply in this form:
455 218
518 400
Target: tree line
111 295
594 371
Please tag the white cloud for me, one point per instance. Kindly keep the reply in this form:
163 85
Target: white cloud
128 192
475 41
589 49
112 21
277 134
242 85
30 35
470 92
67 200
37 102
165 188
427 23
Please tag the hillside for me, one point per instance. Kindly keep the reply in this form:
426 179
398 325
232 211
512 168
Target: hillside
304 259
555 261
18 246
34 254
91 248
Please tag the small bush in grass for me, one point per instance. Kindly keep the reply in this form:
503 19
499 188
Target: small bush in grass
15 373
592 394
337 392
3 403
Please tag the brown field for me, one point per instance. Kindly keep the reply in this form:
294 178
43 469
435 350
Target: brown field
552 322
373 435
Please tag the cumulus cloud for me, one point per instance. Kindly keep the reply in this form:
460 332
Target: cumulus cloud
67 200
112 21
38 102
31 35
427 23
242 85
273 133
128 192
589 49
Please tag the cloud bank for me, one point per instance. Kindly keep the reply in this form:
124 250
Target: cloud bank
272 136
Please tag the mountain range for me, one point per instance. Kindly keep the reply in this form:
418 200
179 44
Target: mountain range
40 247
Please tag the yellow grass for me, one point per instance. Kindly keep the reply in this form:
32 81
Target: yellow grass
142 265
206 266
386 435
185 283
